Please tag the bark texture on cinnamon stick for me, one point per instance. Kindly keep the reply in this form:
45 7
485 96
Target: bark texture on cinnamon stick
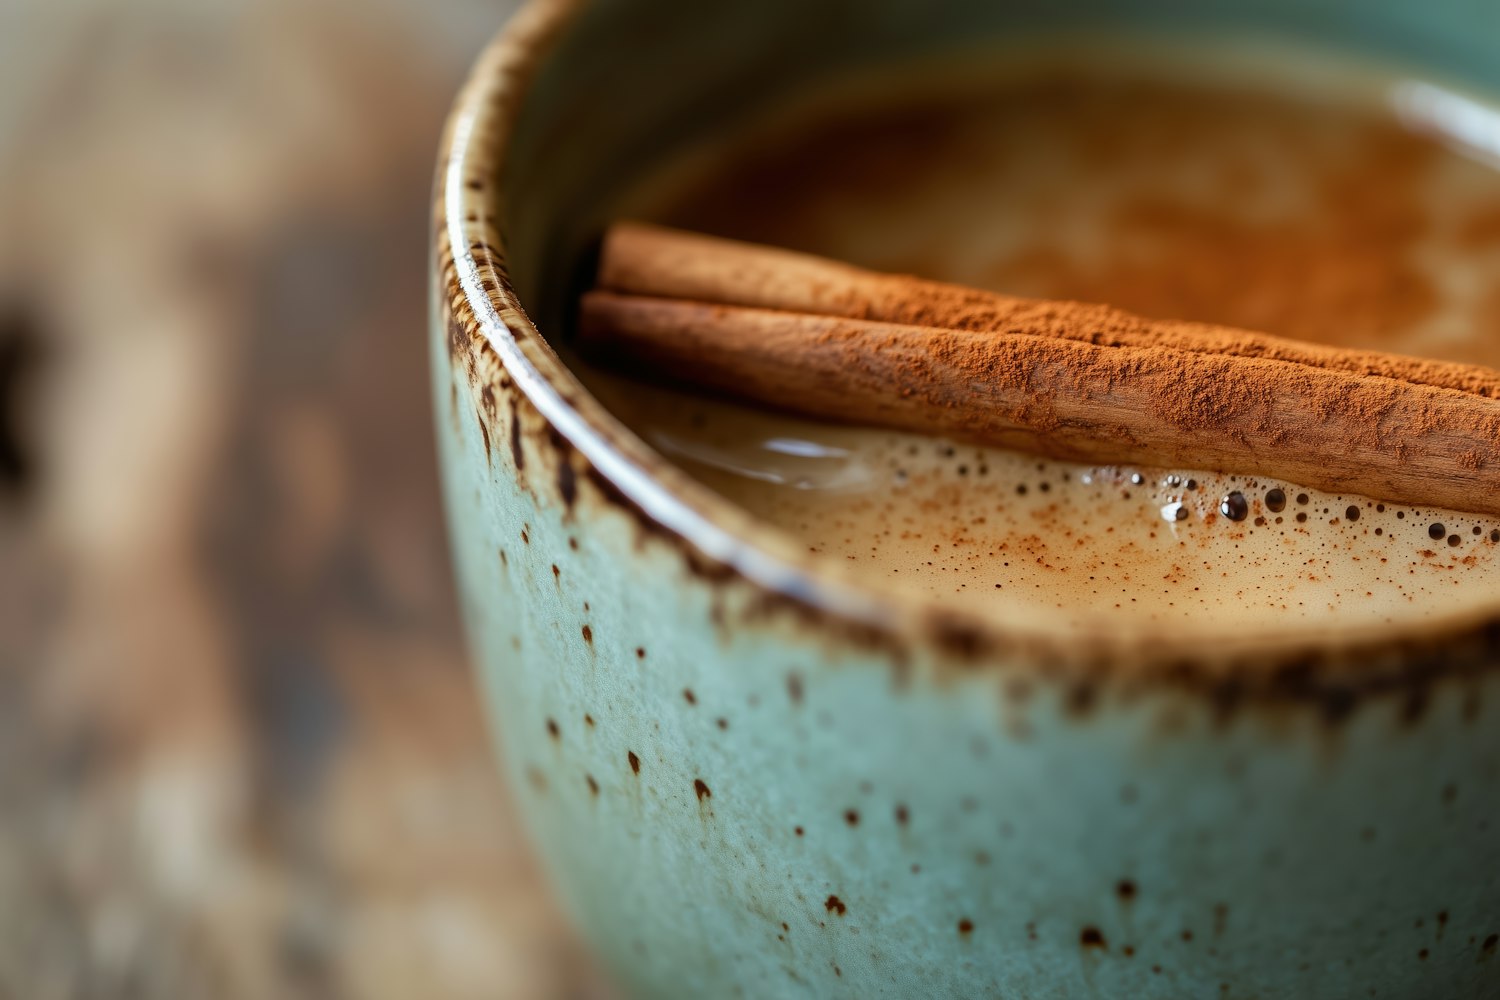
642 259
1134 391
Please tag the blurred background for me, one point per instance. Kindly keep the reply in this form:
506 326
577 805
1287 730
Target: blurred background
239 752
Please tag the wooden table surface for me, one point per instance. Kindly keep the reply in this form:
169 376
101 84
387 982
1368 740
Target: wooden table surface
240 752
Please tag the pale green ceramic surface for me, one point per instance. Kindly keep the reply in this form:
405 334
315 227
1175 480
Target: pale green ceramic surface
740 793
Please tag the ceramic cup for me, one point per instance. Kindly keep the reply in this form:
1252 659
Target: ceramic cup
750 776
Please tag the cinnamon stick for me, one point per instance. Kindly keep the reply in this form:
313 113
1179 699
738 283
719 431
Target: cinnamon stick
644 259
1135 391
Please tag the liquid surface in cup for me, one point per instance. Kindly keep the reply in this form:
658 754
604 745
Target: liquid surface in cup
1330 208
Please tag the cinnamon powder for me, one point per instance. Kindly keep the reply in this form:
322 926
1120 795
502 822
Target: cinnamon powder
1304 231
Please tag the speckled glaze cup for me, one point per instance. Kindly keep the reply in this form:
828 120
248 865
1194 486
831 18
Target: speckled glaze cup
751 776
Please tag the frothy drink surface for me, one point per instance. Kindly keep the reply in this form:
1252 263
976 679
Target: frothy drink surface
1312 212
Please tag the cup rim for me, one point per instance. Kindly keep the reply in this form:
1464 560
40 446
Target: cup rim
474 286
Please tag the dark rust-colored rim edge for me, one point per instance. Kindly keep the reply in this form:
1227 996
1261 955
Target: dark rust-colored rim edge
1333 671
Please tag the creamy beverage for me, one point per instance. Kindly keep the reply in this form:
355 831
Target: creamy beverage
1268 192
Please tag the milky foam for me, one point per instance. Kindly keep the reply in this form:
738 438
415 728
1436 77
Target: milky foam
1174 199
